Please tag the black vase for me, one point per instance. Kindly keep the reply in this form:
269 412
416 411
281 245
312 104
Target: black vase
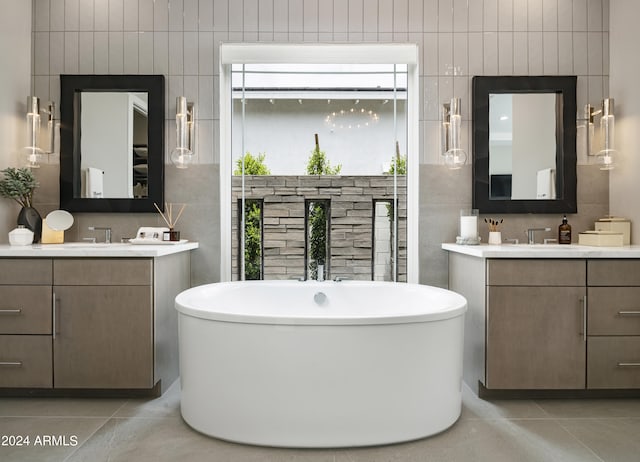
31 219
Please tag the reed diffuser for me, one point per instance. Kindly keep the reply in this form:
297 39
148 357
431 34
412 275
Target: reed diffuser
495 236
167 216
494 225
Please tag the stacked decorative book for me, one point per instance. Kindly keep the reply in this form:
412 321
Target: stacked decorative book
609 232
616 225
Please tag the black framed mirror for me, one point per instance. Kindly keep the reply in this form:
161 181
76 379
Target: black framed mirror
111 143
524 144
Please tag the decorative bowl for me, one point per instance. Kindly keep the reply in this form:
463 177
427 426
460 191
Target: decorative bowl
21 236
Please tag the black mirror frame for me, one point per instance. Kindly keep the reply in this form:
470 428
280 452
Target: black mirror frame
566 179
69 147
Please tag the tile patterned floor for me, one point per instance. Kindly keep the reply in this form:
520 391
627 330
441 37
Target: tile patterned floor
142 430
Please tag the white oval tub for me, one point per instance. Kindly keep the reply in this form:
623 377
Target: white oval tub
320 364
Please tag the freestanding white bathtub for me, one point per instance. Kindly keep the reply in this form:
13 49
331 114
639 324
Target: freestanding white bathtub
320 364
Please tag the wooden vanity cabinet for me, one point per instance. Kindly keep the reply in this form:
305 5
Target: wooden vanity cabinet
613 353
90 323
535 324
25 323
526 322
104 323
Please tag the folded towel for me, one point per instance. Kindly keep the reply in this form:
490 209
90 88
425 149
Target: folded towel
94 182
546 184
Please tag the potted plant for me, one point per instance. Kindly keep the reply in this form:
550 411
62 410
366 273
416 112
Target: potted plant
19 184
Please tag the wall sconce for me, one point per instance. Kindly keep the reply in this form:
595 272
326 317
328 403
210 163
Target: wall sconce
454 156
182 155
607 133
32 153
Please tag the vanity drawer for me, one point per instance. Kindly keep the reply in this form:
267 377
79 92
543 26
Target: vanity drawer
536 272
614 310
613 362
25 271
613 273
103 272
25 309
25 361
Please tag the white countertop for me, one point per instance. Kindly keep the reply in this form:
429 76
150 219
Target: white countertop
82 249
543 251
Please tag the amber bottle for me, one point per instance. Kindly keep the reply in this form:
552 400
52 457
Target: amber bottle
564 232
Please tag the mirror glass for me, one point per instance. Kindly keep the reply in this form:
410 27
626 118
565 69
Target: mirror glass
112 143
524 144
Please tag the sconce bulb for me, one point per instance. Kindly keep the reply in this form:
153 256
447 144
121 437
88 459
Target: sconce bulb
181 157
32 157
455 158
606 162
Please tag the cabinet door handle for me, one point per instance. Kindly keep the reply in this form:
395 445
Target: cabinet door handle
11 311
628 313
53 316
584 318
10 363
628 364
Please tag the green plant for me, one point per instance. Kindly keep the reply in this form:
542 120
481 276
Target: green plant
318 164
317 235
252 165
401 163
18 184
252 217
252 238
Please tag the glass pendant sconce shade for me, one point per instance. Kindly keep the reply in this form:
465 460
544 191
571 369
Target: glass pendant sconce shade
604 156
454 156
32 154
607 132
182 155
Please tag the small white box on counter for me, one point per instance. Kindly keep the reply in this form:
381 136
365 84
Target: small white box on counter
601 239
616 225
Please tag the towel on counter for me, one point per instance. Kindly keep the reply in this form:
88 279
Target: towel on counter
546 184
94 182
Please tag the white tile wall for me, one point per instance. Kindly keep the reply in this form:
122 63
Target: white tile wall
458 39
130 15
179 38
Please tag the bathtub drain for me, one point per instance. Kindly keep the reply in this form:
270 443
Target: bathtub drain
320 298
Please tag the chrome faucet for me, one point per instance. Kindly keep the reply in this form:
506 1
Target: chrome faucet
531 234
341 278
107 232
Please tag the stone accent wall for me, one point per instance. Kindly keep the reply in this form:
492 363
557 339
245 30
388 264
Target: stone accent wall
351 222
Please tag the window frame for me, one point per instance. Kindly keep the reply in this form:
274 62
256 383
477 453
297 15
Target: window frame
246 53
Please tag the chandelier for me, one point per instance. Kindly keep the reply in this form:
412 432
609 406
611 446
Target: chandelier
352 118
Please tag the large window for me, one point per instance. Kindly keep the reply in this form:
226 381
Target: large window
326 148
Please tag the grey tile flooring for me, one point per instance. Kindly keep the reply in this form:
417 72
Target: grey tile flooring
143 430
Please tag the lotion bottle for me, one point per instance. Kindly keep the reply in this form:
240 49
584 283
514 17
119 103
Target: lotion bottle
564 232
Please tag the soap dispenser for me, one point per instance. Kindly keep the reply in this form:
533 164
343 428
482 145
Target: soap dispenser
564 232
